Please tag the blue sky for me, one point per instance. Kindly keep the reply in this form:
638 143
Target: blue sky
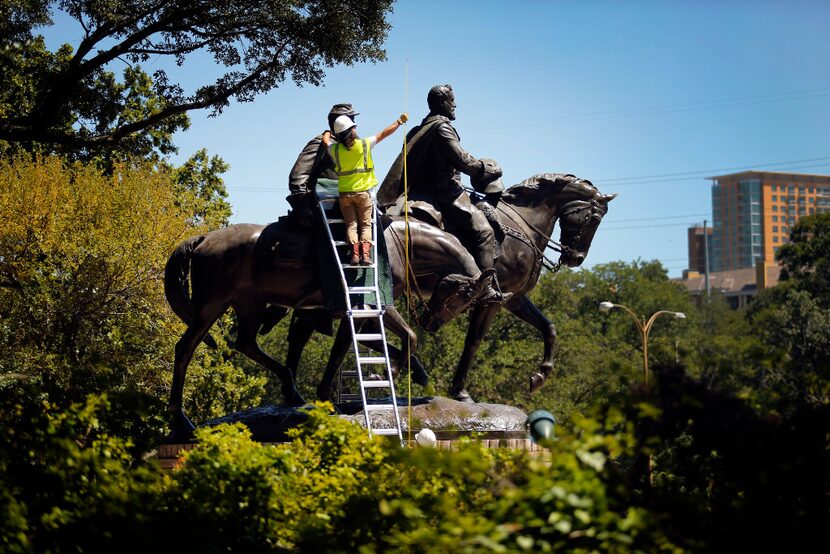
626 94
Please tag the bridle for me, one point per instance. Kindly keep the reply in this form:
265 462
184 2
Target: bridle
563 249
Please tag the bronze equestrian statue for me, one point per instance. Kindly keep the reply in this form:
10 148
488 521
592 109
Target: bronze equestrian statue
248 267
434 163
256 269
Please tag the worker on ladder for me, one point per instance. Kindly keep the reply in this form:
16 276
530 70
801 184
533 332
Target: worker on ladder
355 170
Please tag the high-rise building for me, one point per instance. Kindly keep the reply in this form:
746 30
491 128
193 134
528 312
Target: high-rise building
697 239
753 212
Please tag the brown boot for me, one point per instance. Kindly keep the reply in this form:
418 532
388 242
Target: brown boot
365 253
354 259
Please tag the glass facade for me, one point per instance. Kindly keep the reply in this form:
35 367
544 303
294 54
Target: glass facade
751 213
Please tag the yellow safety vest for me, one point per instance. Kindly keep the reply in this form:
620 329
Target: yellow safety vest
354 166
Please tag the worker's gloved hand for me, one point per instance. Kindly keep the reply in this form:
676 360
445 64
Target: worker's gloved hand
403 118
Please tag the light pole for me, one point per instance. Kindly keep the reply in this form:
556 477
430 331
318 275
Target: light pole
643 326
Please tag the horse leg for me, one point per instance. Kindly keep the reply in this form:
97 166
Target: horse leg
339 349
525 310
299 333
181 427
409 344
480 320
246 342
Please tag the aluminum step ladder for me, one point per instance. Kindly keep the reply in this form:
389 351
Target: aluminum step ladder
363 361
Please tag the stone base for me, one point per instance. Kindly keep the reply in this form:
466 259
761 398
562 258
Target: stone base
495 425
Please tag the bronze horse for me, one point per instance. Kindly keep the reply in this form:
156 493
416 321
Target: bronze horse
528 212
262 271
234 267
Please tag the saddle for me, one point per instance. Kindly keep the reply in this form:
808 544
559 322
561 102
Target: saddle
426 212
280 239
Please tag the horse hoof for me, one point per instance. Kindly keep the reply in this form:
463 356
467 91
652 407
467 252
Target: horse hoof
293 399
181 428
463 396
536 381
419 373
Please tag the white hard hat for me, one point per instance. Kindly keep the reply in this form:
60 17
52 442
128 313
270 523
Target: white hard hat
342 124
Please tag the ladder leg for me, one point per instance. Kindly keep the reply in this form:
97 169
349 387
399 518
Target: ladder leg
353 325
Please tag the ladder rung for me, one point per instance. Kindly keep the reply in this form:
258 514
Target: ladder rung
341 243
378 407
376 384
362 314
361 290
371 360
351 398
392 431
352 374
334 220
368 336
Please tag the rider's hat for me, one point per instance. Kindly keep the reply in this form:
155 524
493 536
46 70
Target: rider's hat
341 109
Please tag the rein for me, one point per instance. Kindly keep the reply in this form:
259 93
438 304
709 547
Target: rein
549 264
414 280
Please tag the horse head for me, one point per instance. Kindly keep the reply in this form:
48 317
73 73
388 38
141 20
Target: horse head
576 203
578 222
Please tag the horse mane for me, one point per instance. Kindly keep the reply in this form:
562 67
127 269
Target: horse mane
551 182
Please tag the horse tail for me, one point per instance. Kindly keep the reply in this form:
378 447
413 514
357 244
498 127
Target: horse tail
176 275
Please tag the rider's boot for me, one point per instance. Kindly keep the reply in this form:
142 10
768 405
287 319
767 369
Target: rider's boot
354 258
490 294
365 253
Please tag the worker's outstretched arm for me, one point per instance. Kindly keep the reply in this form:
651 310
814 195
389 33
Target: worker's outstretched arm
392 128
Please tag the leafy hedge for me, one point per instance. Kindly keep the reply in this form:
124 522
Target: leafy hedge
67 486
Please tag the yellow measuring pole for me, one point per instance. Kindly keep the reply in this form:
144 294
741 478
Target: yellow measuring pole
406 260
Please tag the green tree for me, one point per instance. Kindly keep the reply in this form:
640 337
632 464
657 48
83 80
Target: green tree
805 259
73 99
792 321
202 189
82 308
108 103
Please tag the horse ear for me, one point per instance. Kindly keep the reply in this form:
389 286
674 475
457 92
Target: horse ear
605 198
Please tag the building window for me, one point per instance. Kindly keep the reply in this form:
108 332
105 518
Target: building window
775 228
801 190
775 208
812 210
810 190
775 238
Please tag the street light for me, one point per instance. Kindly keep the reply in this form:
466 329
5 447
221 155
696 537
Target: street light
643 326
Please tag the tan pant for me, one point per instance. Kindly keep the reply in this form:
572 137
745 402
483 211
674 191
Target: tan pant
357 213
